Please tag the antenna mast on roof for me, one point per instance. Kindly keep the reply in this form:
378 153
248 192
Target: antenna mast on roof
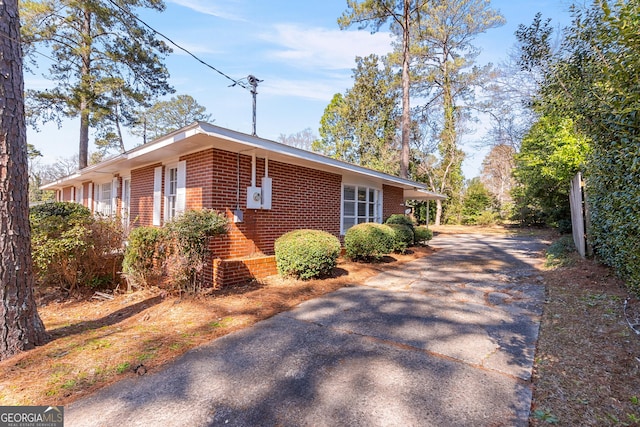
253 81
253 88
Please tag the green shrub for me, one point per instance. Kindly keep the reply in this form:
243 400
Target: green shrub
558 252
400 219
306 253
70 247
564 226
486 218
403 237
368 241
144 256
422 234
190 233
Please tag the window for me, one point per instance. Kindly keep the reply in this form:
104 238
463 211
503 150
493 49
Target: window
172 192
103 199
174 195
126 200
360 204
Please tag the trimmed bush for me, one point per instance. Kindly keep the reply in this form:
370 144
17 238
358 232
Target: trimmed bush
422 234
403 237
144 256
401 220
369 241
403 228
306 254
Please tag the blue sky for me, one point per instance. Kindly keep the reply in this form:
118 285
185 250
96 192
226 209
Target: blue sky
294 46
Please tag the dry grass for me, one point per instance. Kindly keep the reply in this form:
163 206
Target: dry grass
587 368
95 343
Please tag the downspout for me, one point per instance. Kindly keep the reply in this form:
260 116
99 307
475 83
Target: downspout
238 182
237 214
253 169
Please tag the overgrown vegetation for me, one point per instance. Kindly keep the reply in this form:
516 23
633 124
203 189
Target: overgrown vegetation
145 256
306 254
552 152
71 247
592 82
189 233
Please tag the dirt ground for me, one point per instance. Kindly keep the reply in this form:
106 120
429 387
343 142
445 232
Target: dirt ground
96 342
586 370
587 367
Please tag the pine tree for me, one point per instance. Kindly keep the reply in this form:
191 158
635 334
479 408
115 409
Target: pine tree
20 325
107 62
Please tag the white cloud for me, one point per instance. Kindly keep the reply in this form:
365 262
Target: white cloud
324 48
220 9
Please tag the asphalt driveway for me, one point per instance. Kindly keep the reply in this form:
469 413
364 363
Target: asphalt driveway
449 340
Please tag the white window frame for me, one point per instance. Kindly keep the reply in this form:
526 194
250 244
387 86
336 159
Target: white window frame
170 191
104 205
157 195
174 202
371 205
79 194
126 200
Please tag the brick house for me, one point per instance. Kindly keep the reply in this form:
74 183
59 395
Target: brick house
264 187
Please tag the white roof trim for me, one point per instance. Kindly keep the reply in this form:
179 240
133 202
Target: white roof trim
252 142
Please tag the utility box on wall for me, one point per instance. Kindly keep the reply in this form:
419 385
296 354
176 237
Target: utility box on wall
254 198
266 193
260 197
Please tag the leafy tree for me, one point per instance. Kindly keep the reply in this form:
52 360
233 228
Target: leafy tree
336 138
164 117
478 203
592 79
404 16
595 79
361 127
106 63
20 326
551 154
445 75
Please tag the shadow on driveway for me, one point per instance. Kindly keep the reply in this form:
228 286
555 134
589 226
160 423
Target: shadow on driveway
449 340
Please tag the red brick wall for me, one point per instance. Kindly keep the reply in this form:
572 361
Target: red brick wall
393 201
228 272
141 205
301 198
67 193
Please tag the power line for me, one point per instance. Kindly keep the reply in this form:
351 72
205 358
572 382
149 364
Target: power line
35 51
235 82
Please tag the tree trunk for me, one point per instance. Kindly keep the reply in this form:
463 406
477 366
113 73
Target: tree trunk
406 111
85 82
438 217
20 325
83 149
